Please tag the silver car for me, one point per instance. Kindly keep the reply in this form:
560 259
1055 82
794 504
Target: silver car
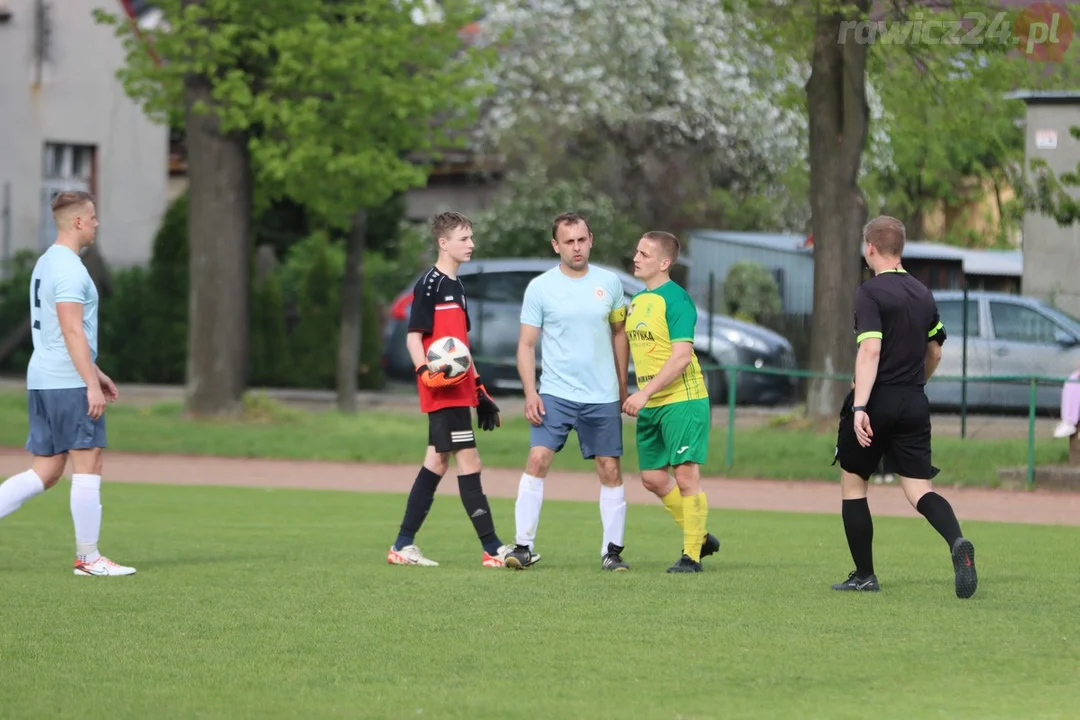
1008 335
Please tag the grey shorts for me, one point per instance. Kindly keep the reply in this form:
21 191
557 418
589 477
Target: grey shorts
599 427
59 423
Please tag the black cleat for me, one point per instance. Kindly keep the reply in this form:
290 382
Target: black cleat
685 565
613 559
854 582
963 560
521 557
710 546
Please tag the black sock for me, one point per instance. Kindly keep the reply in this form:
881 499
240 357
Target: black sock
421 497
939 512
859 528
476 505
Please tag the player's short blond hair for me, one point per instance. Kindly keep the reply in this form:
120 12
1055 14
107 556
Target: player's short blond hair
669 244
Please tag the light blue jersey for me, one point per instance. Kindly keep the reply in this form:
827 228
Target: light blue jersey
575 317
59 276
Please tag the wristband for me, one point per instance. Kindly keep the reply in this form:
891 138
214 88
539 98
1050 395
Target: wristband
858 408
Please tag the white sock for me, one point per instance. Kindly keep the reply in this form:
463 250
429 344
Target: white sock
86 514
612 515
527 509
17 489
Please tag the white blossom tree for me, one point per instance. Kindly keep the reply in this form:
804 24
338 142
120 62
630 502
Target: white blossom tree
655 102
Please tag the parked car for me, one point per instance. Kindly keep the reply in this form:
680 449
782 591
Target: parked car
496 289
1007 335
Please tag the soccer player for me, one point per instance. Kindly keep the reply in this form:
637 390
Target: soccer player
672 403
578 313
899 333
439 309
66 392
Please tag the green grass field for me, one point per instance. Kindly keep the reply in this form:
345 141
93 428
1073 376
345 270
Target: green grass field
279 604
393 437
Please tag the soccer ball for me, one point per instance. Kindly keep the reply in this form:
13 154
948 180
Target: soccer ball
449 352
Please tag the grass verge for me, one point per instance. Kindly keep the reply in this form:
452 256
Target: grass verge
272 430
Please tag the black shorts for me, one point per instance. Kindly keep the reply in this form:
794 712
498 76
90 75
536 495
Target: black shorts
451 429
900 420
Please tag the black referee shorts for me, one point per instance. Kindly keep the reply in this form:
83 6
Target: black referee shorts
900 420
451 429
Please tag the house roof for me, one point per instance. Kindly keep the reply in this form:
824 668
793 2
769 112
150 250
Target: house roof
1045 97
974 261
783 242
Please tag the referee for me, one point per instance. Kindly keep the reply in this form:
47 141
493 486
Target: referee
900 335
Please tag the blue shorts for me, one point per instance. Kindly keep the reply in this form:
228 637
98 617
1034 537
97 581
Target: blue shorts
59 423
599 427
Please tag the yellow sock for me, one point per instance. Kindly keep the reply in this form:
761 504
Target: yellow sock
695 514
673 501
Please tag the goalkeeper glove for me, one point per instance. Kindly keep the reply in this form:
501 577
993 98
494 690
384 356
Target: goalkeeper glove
487 412
439 378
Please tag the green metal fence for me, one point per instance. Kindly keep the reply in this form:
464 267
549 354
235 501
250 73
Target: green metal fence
1033 381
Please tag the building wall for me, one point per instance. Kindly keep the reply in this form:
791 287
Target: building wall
1052 253
69 95
794 271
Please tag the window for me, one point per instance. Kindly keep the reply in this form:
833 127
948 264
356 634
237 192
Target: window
64 167
504 287
1017 323
953 320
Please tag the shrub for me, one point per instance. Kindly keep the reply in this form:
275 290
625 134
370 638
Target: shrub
750 292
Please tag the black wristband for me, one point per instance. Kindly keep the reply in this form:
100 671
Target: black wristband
857 408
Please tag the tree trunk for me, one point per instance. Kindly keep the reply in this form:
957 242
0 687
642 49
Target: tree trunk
839 122
352 308
219 197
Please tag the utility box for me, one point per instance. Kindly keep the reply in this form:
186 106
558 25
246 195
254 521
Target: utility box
1051 252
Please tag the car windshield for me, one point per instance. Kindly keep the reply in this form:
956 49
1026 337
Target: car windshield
1065 318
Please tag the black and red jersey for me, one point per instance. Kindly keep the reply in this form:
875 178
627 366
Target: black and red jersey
439 309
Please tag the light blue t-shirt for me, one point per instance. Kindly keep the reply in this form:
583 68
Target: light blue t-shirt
59 276
575 316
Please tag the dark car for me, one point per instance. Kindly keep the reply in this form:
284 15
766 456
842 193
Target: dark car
496 289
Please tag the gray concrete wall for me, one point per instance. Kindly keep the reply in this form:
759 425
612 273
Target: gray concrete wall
78 101
1051 252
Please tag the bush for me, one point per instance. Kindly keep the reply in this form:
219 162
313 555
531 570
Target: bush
295 310
312 280
14 307
518 224
750 292
270 352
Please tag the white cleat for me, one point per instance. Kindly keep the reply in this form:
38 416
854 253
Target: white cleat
497 560
102 567
409 555
1064 430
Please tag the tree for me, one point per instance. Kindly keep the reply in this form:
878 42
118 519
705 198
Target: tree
1049 195
518 223
328 102
652 102
954 138
839 125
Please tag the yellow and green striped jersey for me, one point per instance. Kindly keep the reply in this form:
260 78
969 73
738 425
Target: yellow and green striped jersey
654 321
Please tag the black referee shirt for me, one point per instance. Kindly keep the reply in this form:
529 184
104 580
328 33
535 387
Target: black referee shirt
901 311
